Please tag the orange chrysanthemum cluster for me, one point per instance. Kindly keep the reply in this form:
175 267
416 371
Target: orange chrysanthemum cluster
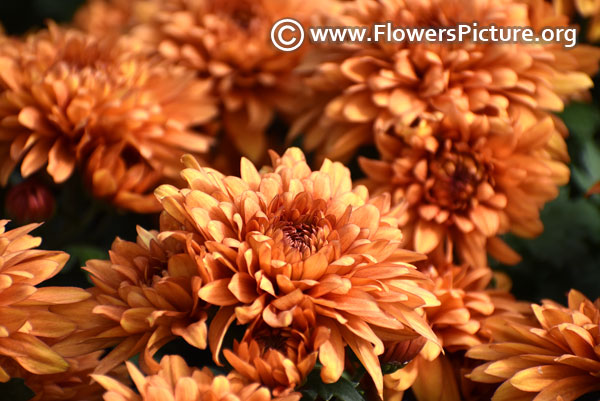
464 130
68 99
408 88
555 356
177 381
288 246
27 325
228 42
466 301
286 271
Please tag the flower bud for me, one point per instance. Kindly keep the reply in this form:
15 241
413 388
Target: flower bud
398 354
29 201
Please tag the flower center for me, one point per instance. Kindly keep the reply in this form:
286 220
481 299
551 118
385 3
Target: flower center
301 236
456 177
274 341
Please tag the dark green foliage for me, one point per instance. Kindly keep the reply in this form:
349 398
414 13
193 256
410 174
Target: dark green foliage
342 390
15 390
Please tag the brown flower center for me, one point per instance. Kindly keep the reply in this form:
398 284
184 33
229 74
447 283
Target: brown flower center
456 177
301 236
274 341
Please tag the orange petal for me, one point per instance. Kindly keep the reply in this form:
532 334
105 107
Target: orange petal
427 236
32 354
217 293
61 161
331 353
218 327
57 296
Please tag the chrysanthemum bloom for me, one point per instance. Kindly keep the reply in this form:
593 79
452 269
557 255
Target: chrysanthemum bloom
175 380
25 321
229 41
465 302
145 295
408 87
464 188
107 17
290 237
279 358
69 99
554 357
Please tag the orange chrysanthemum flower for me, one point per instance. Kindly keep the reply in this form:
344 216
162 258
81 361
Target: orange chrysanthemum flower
69 99
410 86
464 188
144 296
106 17
279 358
26 324
229 42
291 237
465 302
553 357
175 380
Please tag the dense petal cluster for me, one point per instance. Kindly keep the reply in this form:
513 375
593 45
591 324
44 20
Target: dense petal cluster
464 130
466 302
555 356
144 296
175 380
279 358
408 87
464 188
289 238
229 42
27 326
68 99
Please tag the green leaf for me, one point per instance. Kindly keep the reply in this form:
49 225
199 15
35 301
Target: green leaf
15 390
582 119
343 389
589 173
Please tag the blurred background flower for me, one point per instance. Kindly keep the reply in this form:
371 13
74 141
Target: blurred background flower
69 99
